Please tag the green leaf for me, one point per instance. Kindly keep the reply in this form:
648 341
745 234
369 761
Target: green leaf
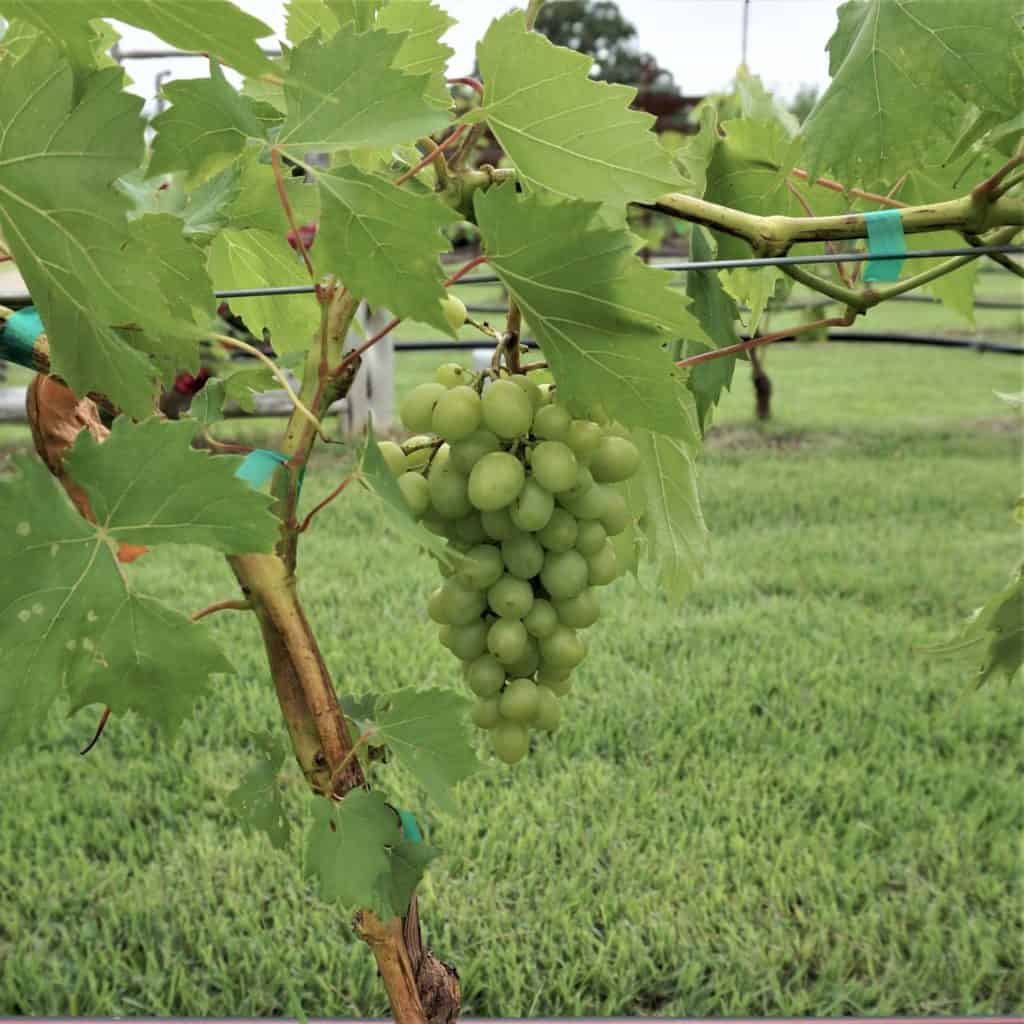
902 72
426 731
207 407
356 853
68 613
306 17
258 800
384 243
753 287
68 231
207 126
694 153
421 52
359 13
565 132
344 94
600 315
216 27
717 314
259 205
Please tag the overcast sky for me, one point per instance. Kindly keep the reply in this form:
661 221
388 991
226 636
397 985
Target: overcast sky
699 41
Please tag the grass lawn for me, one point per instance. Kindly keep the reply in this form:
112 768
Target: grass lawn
765 801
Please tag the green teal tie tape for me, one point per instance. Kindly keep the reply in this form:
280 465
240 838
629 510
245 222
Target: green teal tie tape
885 238
18 337
409 826
259 465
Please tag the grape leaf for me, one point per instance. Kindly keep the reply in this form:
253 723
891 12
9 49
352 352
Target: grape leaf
206 127
356 853
258 204
384 242
421 52
216 27
305 17
202 210
902 72
257 800
359 12
207 407
565 132
426 731
600 315
68 231
351 97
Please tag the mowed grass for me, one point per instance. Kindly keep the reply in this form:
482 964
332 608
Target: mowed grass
764 801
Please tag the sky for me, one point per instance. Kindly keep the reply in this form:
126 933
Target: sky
699 41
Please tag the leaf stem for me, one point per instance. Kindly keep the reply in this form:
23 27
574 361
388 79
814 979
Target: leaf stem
835 186
286 205
220 606
471 82
104 718
848 296
323 504
531 13
416 168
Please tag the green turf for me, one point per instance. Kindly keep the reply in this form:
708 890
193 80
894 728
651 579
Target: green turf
765 801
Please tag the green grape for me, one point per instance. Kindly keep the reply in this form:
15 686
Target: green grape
437 607
532 509
454 310
486 676
485 713
547 393
482 567
455 605
528 663
560 532
497 524
507 640
468 642
551 423
557 680
542 619
591 537
554 466
584 481
507 409
616 459
523 555
444 634
421 456
451 375
510 598
617 515
531 389
564 574
496 479
457 414
449 491
416 492
417 409
435 524
467 452
603 566
469 530
592 504
580 611
519 701
563 649
394 457
549 710
510 741
583 438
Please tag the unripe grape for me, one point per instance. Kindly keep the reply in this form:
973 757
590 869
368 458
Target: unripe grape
437 606
454 310
529 662
485 713
547 393
591 537
616 459
560 532
564 574
497 524
435 524
523 555
580 611
529 387
469 529
457 413
510 740
469 450
510 598
455 605
507 409
486 676
416 492
394 457
519 701
551 423
554 466
542 619
496 479
532 509
482 567
507 640
451 375
617 515
592 504
549 710
583 437
470 641
584 481
563 649
557 680
421 456
449 490
444 635
417 408
603 566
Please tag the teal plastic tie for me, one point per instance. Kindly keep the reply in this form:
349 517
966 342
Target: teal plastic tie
409 827
885 238
259 465
18 337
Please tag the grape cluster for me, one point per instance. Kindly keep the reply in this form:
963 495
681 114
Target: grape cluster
527 495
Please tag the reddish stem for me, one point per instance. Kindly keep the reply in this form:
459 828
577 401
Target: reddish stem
990 184
6 259
323 504
416 168
99 732
286 205
836 186
471 82
830 247
220 606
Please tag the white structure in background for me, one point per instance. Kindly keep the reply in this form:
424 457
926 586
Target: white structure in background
373 390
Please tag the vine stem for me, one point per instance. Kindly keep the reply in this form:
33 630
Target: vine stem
829 246
286 205
471 82
220 606
532 11
5 312
835 186
430 157
323 504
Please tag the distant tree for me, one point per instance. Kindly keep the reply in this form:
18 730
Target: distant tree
803 102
